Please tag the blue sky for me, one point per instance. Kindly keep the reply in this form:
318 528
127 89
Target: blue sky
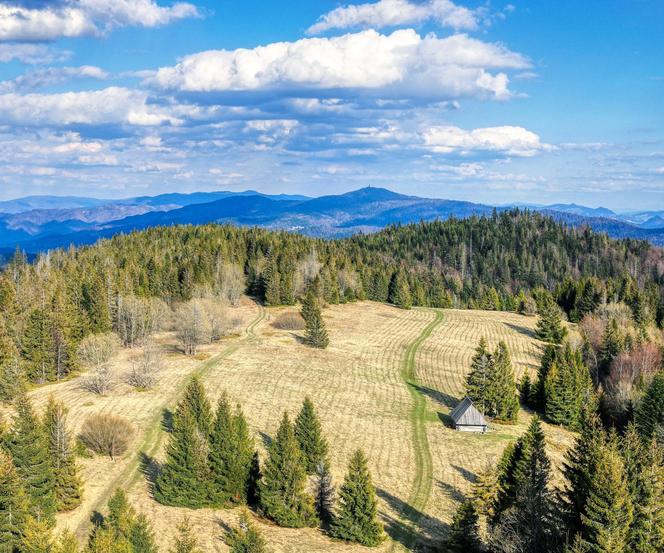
497 102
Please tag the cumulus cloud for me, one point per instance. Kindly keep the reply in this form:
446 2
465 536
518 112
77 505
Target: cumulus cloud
52 76
46 21
399 64
391 13
513 141
113 105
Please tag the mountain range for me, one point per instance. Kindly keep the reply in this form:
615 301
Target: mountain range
38 223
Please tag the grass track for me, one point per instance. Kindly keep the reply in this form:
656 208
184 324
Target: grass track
419 416
154 436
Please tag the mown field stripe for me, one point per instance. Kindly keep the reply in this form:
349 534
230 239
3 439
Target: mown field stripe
154 435
423 480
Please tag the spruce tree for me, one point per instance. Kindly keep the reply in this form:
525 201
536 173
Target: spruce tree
608 513
503 386
548 357
481 373
141 536
324 499
310 437
649 416
399 292
245 538
464 535
38 347
253 485
14 505
646 534
549 324
568 389
612 344
485 492
66 543
196 402
68 486
183 481
185 540
37 537
283 489
357 516
121 515
222 451
28 445
315 332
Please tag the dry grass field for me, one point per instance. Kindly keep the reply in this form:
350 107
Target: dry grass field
385 384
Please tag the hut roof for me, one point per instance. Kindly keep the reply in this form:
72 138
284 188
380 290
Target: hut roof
465 414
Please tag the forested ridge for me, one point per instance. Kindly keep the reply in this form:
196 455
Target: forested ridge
499 262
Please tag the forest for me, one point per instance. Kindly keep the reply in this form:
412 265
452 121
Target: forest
69 310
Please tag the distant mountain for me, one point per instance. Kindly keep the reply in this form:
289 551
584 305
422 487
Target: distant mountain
48 202
361 211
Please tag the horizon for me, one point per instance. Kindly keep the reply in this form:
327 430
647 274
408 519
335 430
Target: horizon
495 103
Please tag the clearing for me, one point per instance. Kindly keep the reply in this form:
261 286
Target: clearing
386 384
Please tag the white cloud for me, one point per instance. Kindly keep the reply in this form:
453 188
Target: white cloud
113 105
31 53
514 141
400 64
390 13
75 18
51 76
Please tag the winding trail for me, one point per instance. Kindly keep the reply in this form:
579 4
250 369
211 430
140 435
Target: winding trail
154 436
423 480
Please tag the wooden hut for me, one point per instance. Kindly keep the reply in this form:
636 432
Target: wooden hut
468 419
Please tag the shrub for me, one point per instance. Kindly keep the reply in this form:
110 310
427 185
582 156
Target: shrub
98 381
107 434
289 320
145 370
97 349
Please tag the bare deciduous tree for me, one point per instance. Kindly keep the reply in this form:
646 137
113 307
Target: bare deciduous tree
145 370
230 282
107 434
139 318
307 270
99 380
97 349
190 326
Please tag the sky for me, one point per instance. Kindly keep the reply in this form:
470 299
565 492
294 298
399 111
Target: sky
530 101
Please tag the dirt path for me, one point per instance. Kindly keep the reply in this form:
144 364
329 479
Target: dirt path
423 480
154 436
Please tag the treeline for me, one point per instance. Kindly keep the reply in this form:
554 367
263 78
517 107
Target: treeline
130 283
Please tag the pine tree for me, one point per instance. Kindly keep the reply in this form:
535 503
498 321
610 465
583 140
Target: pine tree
282 490
549 324
195 401
477 381
356 519
245 538
67 482
464 535
324 492
310 437
14 505
315 332
649 416
608 511
503 386
142 537
183 481
185 541
37 537
28 446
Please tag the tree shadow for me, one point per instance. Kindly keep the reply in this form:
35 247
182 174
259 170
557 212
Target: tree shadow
150 468
96 518
167 420
413 529
266 439
451 491
525 331
439 397
467 474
